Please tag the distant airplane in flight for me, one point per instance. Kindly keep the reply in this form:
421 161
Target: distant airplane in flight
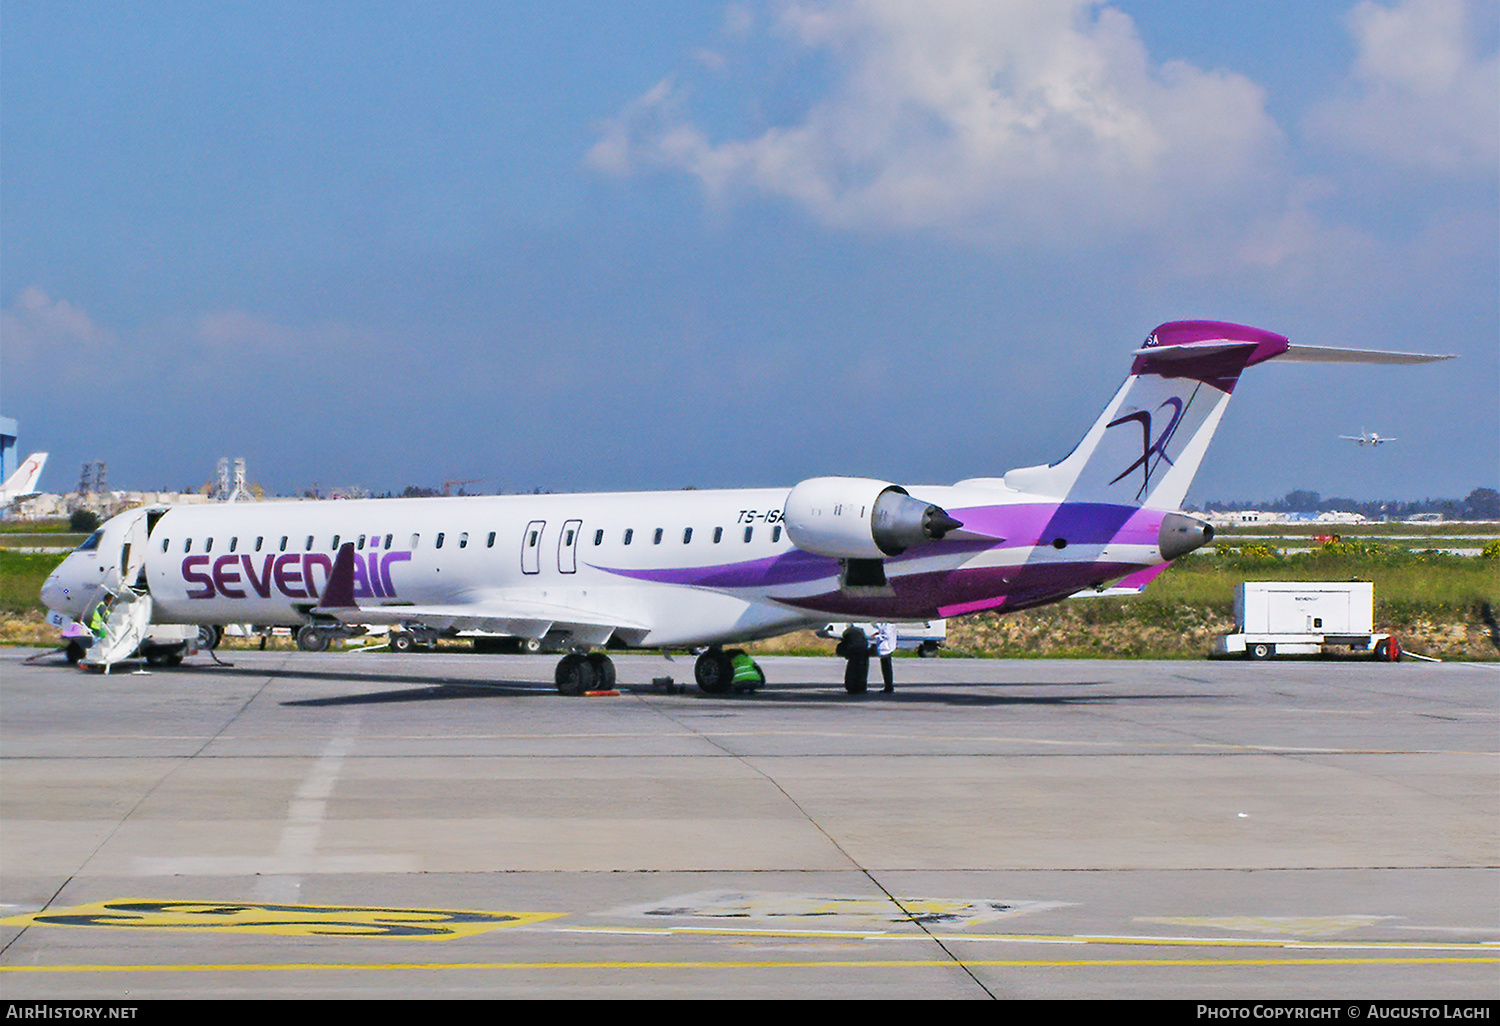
1367 438
23 482
695 569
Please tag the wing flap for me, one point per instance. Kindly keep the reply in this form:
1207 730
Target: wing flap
511 617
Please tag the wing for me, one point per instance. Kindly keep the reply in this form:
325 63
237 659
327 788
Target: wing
492 612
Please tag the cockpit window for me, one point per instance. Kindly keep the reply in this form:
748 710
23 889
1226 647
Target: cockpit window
91 542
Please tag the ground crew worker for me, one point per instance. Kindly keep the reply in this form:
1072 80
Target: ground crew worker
99 621
747 676
884 643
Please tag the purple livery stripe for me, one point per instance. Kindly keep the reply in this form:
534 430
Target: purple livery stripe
1020 526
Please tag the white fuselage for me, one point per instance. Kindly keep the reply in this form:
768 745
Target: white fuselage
665 568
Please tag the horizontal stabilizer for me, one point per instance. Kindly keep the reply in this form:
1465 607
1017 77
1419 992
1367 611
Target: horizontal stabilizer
1134 584
1328 354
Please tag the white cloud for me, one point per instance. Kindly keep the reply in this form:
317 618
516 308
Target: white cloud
39 323
1036 119
1421 94
227 332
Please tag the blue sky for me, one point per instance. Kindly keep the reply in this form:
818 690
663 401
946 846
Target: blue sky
584 246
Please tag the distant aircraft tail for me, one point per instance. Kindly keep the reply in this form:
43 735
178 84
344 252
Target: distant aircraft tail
1147 445
23 482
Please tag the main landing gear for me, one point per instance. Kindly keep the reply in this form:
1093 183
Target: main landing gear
714 672
578 673
719 672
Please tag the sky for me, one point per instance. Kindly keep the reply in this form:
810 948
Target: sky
580 246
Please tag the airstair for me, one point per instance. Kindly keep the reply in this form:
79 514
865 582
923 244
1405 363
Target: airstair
124 630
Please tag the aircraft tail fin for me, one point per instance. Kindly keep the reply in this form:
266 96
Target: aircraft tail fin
23 482
1147 445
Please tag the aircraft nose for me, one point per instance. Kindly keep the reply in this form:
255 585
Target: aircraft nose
1181 534
61 591
52 592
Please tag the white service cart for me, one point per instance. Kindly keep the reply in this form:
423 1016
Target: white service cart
1305 618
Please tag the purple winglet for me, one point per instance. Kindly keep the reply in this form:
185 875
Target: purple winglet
338 593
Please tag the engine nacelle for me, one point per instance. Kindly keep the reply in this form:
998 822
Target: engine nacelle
860 518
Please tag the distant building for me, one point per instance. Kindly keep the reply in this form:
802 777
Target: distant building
1340 517
106 504
1244 518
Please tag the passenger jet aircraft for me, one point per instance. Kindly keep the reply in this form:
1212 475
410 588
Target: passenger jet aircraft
698 569
1370 438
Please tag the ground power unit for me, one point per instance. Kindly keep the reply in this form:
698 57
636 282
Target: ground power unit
1275 618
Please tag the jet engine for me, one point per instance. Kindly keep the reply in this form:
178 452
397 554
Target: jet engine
860 518
1181 534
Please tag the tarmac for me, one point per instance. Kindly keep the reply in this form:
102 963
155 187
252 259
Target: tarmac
445 825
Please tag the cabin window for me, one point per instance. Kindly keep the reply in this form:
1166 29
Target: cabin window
463 540
208 545
656 539
718 535
309 543
164 544
776 533
335 545
599 536
187 544
568 538
687 535
414 539
234 543
388 540
360 545
489 542
282 546
532 538
259 540
438 542
629 534
748 532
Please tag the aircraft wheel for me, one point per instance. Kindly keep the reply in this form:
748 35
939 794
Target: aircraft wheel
575 674
75 652
171 656
402 641
604 671
1260 650
311 639
714 672
208 636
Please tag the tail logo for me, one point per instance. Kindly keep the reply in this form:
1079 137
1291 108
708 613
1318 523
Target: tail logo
1149 448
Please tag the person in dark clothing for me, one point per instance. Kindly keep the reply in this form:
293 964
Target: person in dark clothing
855 648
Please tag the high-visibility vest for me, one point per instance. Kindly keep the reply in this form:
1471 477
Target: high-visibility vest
745 670
98 621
